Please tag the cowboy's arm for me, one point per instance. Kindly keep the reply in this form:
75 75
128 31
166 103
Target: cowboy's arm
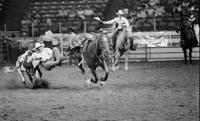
31 58
109 21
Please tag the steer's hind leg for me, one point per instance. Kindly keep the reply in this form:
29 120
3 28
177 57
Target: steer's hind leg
21 73
37 69
29 75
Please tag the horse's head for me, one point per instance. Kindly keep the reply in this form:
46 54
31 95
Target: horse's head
123 38
103 45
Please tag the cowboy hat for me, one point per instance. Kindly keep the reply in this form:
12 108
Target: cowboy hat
192 8
120 12
48 33
38 45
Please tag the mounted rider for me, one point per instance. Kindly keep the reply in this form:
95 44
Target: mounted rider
120 23
194 19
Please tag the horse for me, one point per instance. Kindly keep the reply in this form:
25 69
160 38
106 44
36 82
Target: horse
94 51
32 72
188 40
124 43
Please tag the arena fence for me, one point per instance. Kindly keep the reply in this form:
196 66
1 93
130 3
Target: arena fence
155 52
160 54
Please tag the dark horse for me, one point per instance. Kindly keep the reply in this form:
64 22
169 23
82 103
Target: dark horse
188 39
26 67
94 52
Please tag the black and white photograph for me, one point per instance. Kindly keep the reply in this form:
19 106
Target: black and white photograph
99 60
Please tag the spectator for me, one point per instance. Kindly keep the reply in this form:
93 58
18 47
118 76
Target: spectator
126 12
132 13
154 2
80 13
49 23
150 11
26 25
63 12
72 13
25 21
159 10
88 12
141 14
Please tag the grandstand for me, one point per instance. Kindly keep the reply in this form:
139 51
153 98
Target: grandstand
145 15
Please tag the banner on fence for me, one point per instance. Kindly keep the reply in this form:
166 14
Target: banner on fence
153 39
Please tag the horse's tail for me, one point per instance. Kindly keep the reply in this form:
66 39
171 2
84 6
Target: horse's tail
8 70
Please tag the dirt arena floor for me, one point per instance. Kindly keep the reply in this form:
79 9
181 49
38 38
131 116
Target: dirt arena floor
154 91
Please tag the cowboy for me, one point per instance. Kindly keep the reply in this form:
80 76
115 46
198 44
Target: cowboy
194 19
120 23
46 55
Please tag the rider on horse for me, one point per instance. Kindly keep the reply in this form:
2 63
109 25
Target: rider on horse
120 22
194 19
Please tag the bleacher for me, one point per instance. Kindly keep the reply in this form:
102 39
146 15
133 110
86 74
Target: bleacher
167 20
49 9
2 8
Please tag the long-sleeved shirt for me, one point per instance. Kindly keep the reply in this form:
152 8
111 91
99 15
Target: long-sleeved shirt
121 21
44 55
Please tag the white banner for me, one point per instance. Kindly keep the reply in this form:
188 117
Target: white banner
153 39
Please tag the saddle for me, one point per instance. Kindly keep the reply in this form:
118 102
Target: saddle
88 39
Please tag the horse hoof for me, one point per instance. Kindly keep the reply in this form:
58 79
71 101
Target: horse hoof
24 83
102 79
126 68
88 82
93 81
102 83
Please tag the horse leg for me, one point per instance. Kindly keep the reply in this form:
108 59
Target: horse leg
94 73
22 76
185 55
113 63
116 63
105 68
126 61
80 65
190 55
